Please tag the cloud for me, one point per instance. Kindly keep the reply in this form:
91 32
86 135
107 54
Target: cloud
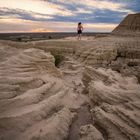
22 14
133 5
94 4
19 25
63 15
36 6
105 16
83 11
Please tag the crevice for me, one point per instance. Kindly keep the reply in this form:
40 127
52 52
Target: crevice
102 130
83 117
58 60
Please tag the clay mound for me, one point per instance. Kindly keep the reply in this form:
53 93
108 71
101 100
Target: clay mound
129 26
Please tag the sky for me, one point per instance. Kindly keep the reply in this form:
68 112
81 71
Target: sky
63 15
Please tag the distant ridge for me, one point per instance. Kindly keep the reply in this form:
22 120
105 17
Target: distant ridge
129 26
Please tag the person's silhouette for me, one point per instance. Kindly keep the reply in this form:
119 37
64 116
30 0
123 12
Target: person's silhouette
79 30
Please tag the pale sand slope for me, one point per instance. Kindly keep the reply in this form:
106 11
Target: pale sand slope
70 90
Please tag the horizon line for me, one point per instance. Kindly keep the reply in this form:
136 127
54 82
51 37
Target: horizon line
53 32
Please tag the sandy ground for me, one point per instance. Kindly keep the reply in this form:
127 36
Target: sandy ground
70 90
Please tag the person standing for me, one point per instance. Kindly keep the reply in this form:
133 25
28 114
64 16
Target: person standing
79 30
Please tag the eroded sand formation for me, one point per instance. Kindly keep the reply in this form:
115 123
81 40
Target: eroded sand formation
70 90
130 26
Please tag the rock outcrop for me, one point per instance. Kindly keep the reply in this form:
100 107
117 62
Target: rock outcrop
129 26
115 103
34 100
